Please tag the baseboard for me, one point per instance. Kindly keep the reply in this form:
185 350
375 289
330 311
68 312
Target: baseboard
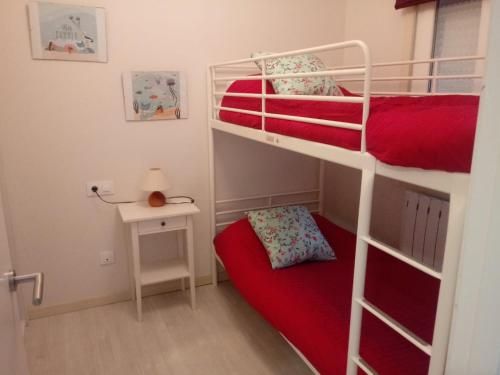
42 312
147 291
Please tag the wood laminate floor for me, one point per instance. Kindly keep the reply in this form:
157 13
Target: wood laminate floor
224 335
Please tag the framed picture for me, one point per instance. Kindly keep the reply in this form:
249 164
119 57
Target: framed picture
155 95
67 32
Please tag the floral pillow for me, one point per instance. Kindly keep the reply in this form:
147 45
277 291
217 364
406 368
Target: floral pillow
299 86
290 235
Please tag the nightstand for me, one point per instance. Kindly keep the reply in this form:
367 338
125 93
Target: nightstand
144 220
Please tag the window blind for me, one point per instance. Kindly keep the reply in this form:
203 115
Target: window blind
456 34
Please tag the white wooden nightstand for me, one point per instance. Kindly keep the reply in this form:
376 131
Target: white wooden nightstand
144 220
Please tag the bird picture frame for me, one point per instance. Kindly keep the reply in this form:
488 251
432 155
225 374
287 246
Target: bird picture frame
67 32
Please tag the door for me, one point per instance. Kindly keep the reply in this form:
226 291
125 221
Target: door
12 354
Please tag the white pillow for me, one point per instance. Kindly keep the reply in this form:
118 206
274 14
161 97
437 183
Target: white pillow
299 86
290 235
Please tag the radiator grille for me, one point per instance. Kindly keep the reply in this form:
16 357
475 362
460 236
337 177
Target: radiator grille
423 231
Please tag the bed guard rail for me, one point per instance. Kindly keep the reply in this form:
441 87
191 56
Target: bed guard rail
421 80
216 74
426 71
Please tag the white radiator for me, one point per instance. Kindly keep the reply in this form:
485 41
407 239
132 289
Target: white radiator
423 230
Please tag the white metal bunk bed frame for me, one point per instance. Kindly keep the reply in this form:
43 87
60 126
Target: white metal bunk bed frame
454 184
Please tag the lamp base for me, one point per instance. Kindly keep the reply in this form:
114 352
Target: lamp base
157 199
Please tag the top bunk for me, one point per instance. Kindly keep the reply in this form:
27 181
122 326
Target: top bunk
408 129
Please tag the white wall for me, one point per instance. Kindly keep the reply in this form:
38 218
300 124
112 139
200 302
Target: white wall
386 31
63 124
389 35
240 163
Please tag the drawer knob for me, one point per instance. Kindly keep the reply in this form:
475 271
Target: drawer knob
162 223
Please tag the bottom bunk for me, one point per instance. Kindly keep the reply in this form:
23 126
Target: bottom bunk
310 303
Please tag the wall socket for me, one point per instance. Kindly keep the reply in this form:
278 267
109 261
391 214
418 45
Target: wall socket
107 257
104 187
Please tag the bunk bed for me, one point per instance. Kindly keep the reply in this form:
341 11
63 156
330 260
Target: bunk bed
392 135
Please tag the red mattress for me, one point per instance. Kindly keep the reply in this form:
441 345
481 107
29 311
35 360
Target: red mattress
433 132
310 303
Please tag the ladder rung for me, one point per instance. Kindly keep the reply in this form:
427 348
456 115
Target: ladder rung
403 331
361 363
399 255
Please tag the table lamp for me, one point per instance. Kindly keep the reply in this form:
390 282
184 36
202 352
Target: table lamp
156 182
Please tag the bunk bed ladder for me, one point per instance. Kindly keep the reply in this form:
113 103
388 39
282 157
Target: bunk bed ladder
438 349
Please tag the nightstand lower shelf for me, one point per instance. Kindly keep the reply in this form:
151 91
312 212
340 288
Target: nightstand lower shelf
162 271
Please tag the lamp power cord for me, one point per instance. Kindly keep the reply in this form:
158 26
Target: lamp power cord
95 189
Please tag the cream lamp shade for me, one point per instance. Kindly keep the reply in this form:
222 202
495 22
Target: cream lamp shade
156 182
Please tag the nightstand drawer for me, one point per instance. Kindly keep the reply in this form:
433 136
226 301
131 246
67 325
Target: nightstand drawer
161 225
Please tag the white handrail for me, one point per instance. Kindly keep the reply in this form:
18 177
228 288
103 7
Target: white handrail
267 196
323 48
415 62
317 98
337 124
417 93
415 78
349 73
364 70
238 210
287 198
322 73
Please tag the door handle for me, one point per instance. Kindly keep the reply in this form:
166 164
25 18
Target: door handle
37 278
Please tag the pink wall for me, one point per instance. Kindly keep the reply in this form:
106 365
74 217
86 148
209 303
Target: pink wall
388 40
63 124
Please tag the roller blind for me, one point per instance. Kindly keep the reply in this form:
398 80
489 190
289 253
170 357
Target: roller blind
456 34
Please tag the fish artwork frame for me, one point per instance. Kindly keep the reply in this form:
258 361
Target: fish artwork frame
67 32
155 95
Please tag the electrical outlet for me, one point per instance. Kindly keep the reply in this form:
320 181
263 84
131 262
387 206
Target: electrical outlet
107 257
105 187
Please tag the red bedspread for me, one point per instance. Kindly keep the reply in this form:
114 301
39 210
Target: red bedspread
434 132
310 303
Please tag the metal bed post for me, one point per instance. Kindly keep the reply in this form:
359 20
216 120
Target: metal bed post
364 217
321 187
211 167
363 230
263 92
